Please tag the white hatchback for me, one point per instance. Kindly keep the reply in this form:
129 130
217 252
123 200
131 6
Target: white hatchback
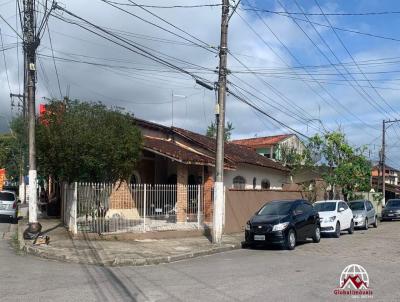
335 216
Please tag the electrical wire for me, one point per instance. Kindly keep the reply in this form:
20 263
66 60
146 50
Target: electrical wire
205 46
169 6
5 62
352 58
335 27
134 48
54 63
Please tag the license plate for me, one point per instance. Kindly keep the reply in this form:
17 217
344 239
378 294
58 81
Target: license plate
3 207
390 214
259 237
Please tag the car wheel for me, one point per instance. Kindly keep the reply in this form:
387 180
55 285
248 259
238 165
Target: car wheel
366 224
317 234
376 222
351 228
291 240
337 230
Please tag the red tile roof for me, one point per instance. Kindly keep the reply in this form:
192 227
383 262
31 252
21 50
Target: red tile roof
174 151
234 153
261 141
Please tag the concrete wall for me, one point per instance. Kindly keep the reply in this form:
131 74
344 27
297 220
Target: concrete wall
241 205
277 178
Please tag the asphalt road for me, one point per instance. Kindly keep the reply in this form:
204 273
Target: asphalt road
309 273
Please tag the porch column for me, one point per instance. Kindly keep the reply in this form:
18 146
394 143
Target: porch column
182 194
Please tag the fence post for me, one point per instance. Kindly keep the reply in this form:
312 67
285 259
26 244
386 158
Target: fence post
198 205
73 223
144 207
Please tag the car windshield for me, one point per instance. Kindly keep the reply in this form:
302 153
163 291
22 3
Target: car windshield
356 205
394 203
325 206
276 208
5 196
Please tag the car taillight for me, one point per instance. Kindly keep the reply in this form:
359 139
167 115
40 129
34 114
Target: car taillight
14 205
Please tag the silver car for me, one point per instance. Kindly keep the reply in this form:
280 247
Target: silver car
364 214
9 204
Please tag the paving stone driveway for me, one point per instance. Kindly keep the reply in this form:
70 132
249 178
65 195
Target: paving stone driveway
381 244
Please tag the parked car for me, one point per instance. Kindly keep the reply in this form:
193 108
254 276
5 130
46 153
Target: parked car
364 214
9 204
335 217
391 210
283 222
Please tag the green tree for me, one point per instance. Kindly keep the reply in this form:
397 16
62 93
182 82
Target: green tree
11 146
347 167
82 141
212 131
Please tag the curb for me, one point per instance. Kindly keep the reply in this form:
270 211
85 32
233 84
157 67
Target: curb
118 261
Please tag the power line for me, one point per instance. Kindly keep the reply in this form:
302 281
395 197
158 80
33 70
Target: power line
327 26
169 6
243 100
205 46
330 62
134 48
352 58
321 14
5 61
12 28
54 62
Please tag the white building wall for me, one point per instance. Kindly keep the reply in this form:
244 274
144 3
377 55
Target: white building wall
277 178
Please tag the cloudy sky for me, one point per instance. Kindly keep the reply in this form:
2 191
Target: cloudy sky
294 67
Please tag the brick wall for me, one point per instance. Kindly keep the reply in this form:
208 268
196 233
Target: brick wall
181 202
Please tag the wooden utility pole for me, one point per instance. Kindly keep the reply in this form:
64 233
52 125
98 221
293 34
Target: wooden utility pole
220 119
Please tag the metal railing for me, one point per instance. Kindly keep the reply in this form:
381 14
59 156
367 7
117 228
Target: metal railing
114 208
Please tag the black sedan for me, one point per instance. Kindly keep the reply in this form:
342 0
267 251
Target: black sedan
392 210
283 222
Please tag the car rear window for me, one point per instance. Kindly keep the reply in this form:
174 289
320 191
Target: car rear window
325 206
357 206
5 196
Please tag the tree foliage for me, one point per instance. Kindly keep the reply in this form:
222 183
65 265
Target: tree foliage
82 141
212 131
11 146
347 167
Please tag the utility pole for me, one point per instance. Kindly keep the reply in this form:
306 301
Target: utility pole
220 120
383 160
383 169
31 42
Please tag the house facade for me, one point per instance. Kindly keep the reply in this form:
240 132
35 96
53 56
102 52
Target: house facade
391 174
173 155
271 146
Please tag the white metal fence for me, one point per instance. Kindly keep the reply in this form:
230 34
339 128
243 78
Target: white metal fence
112 208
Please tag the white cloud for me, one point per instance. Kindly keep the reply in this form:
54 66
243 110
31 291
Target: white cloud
132 88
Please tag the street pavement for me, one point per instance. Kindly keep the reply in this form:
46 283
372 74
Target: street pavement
309 273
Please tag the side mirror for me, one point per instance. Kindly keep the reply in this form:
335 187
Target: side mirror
341 209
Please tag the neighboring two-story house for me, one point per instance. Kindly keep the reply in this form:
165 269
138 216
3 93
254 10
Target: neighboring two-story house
271 146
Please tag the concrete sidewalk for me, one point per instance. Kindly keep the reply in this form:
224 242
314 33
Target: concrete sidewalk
63 247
